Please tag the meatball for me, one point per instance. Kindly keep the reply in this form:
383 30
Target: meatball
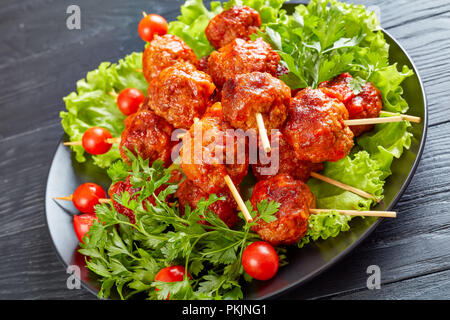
189 194
295 199
180 93
126 186
242 56
315 127
287 162
367 104
247 94
340 84
237 22
149 135
162 52
204 158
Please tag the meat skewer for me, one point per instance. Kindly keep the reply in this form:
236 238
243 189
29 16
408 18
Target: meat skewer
135 136
209 173
288 163
256 100
297 202
353 122
363 105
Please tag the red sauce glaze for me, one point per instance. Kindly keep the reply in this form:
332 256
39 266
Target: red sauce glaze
315 127
180 93
256 92
149 135
189 194
293 214
237 22
288 163
203 158
367 104
240 57
340 84
162 52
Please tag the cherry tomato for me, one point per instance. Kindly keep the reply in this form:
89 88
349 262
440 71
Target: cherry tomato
150 25
94 140
260 260
129 100
82 223
87 196
171 274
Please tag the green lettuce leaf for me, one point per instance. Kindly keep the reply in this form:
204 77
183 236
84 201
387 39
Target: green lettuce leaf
388 80
191 24
358 170
325 225
326 38
93 105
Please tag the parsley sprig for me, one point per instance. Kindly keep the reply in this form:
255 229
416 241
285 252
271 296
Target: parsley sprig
126 256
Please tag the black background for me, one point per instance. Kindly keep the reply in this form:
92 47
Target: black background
41 60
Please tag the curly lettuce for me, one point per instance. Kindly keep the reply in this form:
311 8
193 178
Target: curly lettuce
94 104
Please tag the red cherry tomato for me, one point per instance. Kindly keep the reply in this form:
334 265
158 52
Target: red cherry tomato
129 100
171 274
150 25
87 196
82 223
94 140
260 260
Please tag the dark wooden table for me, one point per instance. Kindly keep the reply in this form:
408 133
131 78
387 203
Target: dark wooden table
40 62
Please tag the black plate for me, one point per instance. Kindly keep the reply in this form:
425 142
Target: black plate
66 174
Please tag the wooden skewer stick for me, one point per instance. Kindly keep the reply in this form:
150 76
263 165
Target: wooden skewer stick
345 186
238 199
263 132
384 214
358 122
70 198
404 116
144 13
79 143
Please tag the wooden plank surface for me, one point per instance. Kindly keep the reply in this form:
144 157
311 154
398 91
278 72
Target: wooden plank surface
42 60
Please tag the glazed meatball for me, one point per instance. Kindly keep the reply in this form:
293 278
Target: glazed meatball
162 52
242 56
204 158
247 94
149 135
180 93
189 194
288 163
295 199
126 186
367 104
239 22
340 84
315 127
